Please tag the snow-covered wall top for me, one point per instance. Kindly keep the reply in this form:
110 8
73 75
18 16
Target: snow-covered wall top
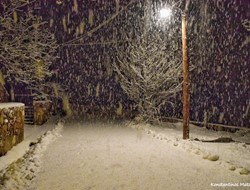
11 105
43 101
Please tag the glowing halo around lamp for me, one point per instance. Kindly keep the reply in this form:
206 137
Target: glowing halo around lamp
165 13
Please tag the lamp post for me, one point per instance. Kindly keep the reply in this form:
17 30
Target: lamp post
166 13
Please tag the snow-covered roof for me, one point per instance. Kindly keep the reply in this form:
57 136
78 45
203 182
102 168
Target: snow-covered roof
10 105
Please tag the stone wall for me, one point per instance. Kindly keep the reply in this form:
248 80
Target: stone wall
11 125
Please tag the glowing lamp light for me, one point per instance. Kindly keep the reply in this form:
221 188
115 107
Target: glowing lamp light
165 13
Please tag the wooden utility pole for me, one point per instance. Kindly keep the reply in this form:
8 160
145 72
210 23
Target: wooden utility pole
185 80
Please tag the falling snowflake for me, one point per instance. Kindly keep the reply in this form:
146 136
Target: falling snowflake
59 2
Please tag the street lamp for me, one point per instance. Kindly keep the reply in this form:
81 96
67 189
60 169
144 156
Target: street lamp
166 13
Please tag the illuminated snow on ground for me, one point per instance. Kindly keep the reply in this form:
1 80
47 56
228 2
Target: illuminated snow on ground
125 155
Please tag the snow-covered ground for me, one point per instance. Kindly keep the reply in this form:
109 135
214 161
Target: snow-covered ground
19 174
102 155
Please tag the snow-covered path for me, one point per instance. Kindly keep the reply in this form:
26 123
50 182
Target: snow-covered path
107 156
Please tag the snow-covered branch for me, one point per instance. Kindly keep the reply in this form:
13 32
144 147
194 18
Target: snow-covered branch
14 5
104 23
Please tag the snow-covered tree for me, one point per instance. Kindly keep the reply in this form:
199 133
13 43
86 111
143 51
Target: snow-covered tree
27 48
150 71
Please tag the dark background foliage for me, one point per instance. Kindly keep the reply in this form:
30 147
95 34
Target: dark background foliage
219 84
